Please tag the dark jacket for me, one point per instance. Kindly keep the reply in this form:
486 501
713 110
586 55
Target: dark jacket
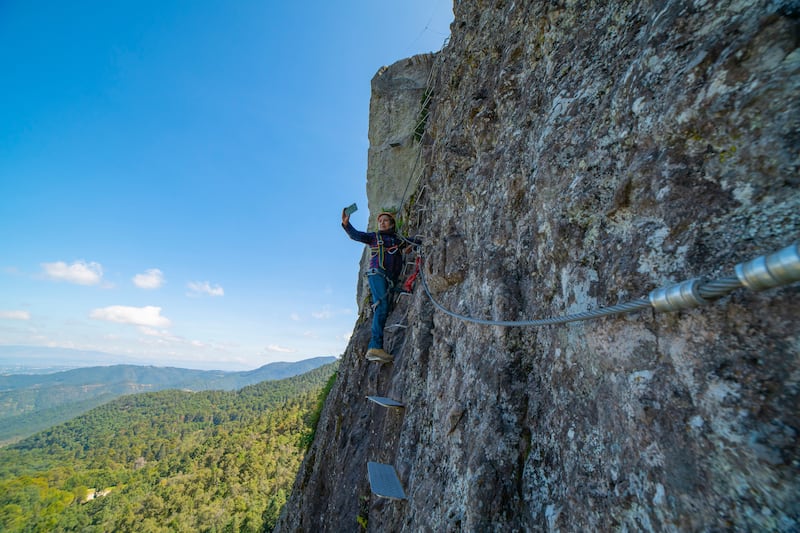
385 249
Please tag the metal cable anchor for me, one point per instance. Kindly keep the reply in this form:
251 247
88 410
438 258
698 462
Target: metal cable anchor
684 295
767 271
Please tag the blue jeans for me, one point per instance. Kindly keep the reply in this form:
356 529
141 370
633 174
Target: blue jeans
379 287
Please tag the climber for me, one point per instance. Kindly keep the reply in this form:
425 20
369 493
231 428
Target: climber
385 265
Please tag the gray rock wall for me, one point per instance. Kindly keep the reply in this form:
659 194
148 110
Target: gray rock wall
394 110
579 155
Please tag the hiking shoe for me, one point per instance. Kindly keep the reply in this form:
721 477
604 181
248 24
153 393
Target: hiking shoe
380 355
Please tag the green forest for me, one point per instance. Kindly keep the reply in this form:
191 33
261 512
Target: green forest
166 461
33 402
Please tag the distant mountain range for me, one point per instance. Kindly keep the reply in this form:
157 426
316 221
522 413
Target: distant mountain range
33 402
26 359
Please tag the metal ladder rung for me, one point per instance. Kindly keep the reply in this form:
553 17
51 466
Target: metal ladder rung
384 482
386 402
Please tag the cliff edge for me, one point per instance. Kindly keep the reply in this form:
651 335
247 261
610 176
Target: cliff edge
575 156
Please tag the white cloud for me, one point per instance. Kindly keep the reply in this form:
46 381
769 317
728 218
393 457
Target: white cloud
310 335
281 349
79 272
152 278
139 316
295 317
15 315
204 287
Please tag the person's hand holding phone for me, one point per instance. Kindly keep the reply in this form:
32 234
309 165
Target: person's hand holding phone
346 212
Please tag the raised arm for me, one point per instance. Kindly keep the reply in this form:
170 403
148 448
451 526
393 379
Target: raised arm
352 232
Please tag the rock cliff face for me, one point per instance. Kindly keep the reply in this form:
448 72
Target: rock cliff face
578 155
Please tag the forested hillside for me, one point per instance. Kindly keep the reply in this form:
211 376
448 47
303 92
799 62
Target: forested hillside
34 402
166 461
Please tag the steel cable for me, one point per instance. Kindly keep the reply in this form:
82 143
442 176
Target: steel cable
788 259
627 307
753 275
713 290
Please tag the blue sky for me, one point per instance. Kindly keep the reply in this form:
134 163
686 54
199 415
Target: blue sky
172 174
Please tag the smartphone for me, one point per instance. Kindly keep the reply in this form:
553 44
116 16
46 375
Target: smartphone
351 209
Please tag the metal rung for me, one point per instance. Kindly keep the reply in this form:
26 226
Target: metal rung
386 402
384 482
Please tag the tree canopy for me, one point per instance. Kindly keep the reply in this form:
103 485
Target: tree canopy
166 461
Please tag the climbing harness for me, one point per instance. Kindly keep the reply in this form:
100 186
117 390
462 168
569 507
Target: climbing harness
380 249
379 272
389 284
